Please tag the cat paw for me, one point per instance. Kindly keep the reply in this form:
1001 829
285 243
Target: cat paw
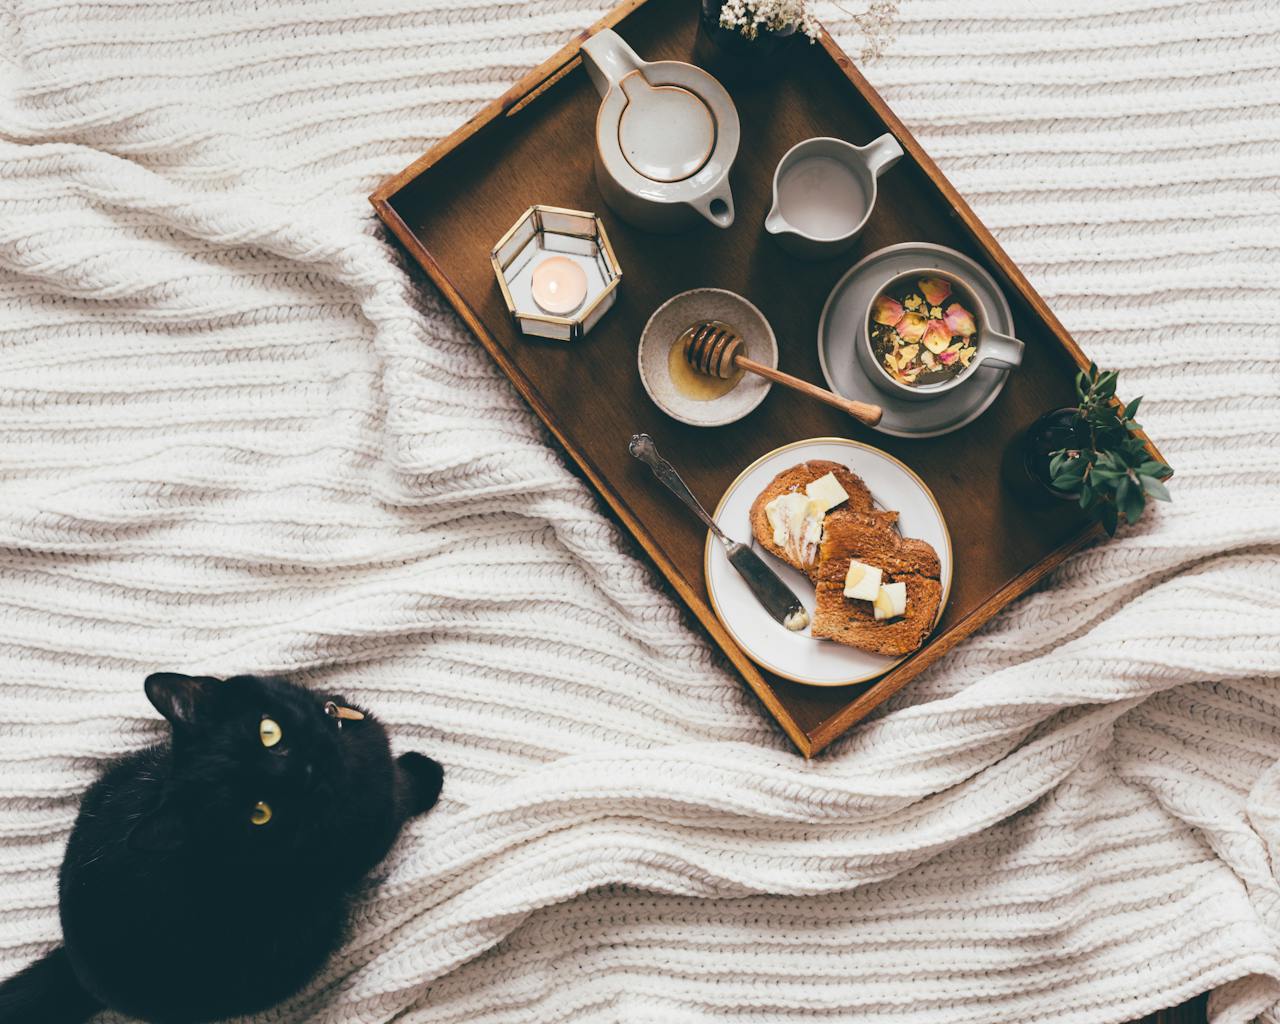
423 779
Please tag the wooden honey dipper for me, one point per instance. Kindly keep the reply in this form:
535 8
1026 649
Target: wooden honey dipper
715 348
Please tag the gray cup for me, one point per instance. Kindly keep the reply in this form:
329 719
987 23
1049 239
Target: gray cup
993 348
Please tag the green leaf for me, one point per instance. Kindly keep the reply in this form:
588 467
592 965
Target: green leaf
1131 410
1155 488
1055 463
1086 496
1132 453
1136 506
1067 483
1130 500
1107 516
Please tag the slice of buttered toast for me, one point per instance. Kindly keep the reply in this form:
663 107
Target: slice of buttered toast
870 538
851 533
795 480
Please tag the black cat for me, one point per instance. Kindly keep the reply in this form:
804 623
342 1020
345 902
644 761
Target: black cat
210 876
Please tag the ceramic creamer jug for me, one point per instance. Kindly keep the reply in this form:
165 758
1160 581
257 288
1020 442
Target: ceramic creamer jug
666 136
824 190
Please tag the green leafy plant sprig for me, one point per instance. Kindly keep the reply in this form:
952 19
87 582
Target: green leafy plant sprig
1112 474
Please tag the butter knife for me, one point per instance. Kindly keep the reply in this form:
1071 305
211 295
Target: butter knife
776 597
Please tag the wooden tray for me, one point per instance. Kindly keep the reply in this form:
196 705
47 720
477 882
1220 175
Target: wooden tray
534 145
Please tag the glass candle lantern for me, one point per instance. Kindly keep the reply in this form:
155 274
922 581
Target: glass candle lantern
557 272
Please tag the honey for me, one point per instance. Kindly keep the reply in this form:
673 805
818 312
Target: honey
700 387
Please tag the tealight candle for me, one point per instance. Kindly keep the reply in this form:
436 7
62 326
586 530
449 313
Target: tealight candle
559 285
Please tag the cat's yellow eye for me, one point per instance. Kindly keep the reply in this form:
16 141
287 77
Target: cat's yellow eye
269 732
261 813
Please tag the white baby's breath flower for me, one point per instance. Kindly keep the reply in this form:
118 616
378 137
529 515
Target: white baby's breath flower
748 17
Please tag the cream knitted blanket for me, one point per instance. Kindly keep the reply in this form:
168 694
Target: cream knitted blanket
236 434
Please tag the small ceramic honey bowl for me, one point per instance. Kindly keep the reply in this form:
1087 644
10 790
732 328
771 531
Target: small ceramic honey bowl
681 391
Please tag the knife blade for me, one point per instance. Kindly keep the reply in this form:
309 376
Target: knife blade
773 594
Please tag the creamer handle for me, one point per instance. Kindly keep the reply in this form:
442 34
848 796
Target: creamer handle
881 153
608 58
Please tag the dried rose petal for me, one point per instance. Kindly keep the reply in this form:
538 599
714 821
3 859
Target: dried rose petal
936 336
959 321
966 354
886 311
911 327
935 289
907 354
927 358
949 356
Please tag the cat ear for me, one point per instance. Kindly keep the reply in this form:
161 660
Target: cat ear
181 699
160 831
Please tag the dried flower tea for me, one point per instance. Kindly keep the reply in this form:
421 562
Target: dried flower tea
920 333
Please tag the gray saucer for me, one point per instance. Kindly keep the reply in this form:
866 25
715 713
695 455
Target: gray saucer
838 332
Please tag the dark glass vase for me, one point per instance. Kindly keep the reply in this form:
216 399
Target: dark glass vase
1026 460
731 57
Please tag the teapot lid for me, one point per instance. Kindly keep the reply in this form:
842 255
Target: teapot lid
666 133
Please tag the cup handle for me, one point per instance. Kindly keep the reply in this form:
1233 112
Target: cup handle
996 349
608 59
881 154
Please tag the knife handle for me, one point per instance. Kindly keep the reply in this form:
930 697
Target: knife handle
643 448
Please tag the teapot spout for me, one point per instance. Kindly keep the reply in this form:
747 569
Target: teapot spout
608 59
716 206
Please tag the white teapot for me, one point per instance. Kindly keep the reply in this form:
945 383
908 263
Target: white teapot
666 136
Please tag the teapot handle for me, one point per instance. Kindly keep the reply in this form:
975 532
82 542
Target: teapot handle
608 59
716 205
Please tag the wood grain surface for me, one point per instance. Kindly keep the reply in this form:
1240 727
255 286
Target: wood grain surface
534 145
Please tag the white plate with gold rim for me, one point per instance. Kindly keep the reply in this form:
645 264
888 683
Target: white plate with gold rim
799 656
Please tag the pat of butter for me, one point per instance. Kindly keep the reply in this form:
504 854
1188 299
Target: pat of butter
862 583
797 620
891 601
797 527
786 514
827 492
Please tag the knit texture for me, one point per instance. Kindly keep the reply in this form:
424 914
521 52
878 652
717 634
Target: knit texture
236 434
